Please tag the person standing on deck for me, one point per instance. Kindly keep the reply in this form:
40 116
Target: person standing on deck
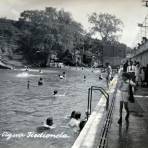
125 65
124 90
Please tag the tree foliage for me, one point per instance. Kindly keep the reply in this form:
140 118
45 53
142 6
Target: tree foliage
49 31
106 25
40 34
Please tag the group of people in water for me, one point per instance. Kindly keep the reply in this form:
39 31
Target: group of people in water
75 122
40 82
132 74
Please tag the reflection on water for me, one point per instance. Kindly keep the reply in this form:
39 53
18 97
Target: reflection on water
22 110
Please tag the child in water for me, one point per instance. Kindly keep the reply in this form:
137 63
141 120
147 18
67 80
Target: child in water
55 92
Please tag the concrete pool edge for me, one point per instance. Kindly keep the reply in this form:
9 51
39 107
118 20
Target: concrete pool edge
91 132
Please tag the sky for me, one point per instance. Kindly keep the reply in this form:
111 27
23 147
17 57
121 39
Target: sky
131 12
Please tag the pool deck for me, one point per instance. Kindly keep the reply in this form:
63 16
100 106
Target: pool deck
135 133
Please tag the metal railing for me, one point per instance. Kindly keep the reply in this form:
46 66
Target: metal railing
90 95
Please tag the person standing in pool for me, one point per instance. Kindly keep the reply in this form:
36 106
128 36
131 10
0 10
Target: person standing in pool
28 84
84 77
40 82
109 74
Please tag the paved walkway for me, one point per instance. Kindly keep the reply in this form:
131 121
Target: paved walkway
134 134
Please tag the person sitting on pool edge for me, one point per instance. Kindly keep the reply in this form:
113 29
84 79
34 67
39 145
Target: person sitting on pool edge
40 82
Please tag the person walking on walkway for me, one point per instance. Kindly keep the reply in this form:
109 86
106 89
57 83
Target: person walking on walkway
124 88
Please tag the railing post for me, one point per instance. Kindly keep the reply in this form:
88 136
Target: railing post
88 105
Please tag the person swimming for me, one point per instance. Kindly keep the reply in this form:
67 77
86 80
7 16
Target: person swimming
27 68
49 121
47 125
40 82
84 77
64 74
55 92
40 71
100 77
28 84
61 77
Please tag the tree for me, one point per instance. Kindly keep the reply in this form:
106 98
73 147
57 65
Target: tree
51 32
106 25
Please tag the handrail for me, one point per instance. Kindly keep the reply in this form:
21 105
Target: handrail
101 89
90 90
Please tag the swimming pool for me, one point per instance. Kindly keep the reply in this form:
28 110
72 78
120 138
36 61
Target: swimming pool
22 110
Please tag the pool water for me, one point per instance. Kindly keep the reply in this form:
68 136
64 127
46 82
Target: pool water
23 110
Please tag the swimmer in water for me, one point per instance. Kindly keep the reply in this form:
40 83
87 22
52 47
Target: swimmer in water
64 74
49 121
40 71
28 84
73 114
26 68
55 92
100 77
40 82
61 76
47 125
84 77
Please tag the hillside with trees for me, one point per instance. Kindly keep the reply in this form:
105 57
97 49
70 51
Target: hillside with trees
42 36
